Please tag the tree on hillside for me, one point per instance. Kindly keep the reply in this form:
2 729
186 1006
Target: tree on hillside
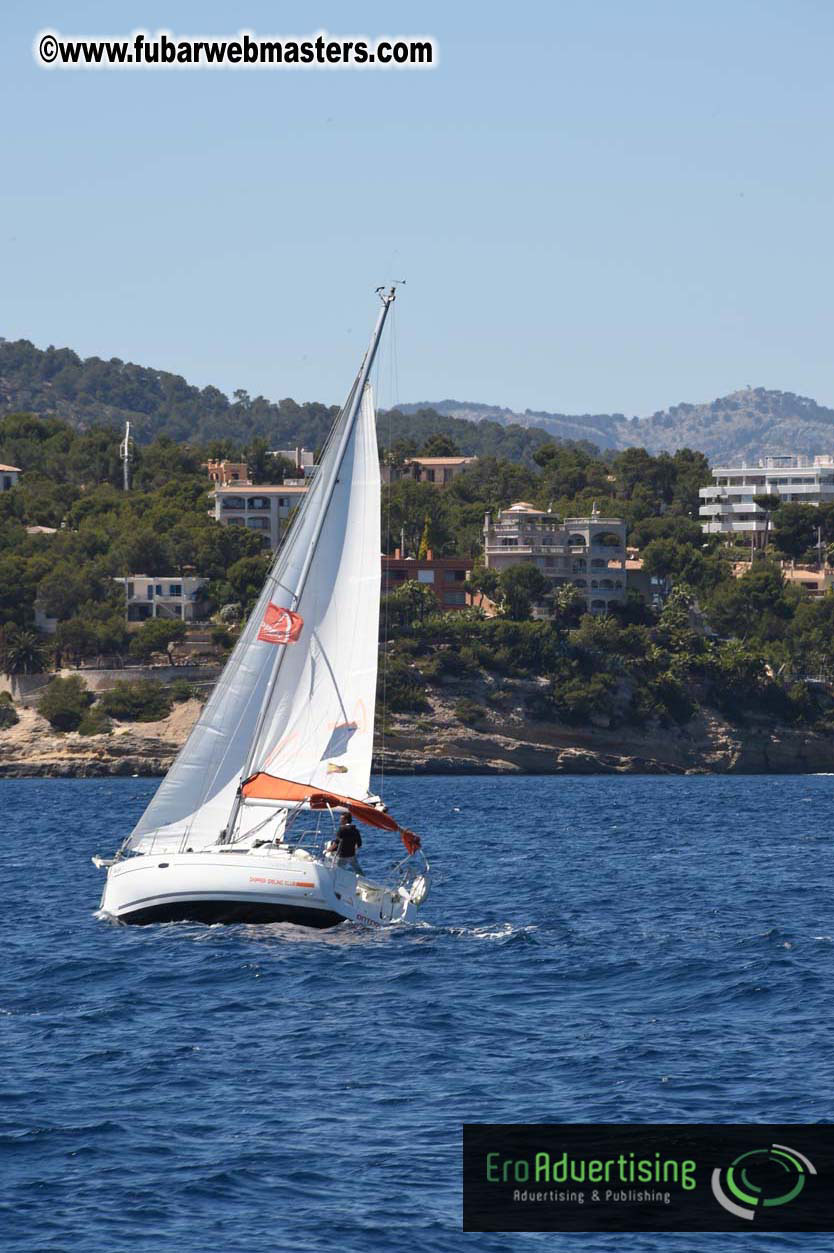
39 501
481 582
266 468
633 468
246 578
825 521
522 587
692 472
410 603
140 701
440 446
400 451
155 635
68 586
795 529
667 526
569 605
97 629
492 484
569 472
405 507
143 551
155 464
684 563
758 605
63 702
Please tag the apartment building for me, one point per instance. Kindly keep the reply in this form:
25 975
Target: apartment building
162 596
588 552
728 507
264 508
439 471
446 576
9 476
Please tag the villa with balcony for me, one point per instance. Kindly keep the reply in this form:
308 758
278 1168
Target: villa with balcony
728 508
588 552
264 508
438 471
162 596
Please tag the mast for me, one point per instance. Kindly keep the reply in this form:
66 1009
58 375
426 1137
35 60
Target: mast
126 454
349 421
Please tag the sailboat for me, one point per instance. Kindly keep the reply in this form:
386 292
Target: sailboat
244 827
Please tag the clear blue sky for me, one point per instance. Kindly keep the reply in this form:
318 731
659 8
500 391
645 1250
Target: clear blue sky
597 206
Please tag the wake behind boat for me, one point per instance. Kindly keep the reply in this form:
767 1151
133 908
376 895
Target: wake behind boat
243 828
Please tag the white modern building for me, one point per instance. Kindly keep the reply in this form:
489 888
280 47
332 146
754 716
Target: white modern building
9 476
728 507
302 458
588 552
162 596
264 508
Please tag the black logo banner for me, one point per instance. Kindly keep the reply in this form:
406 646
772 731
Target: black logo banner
648 1177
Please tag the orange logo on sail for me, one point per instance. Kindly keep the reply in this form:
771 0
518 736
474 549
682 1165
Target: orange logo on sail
280 626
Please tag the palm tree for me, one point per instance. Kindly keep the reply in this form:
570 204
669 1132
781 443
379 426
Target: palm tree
21 651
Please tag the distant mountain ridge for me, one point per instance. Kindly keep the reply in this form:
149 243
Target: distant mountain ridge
743 426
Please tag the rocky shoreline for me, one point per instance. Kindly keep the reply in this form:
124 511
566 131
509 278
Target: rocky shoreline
503 742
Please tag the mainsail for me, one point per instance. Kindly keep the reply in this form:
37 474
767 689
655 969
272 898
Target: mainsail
303 709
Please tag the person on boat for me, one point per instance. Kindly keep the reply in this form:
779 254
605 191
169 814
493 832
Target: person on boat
347 841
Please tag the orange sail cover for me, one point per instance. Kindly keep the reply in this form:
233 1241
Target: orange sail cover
265 787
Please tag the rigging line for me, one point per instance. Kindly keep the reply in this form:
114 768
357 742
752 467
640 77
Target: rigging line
384 703
393 400
383 540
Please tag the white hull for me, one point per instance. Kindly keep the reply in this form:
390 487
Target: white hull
251 885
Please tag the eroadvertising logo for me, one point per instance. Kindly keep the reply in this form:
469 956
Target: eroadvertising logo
647 1177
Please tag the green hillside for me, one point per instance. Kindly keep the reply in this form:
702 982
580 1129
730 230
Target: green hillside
56 382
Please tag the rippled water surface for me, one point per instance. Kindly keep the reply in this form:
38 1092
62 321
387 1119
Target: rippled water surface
595 949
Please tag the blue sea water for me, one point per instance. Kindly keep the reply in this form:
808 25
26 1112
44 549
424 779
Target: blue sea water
595 949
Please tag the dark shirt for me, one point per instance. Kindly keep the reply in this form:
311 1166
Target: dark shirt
348 840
